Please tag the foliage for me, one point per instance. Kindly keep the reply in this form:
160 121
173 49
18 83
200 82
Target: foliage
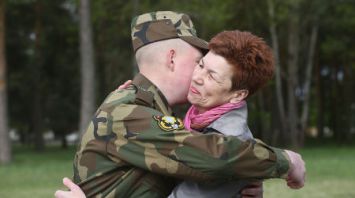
58 65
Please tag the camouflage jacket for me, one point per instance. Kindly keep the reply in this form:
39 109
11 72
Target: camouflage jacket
133 147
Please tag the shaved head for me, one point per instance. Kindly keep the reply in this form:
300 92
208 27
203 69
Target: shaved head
153 54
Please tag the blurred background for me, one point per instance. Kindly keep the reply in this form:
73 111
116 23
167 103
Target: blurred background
60 58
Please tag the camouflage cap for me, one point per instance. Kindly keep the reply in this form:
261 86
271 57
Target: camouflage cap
161 25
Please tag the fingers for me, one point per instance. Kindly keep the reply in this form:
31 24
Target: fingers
253 192
253 189
73 192
61 194
295 185
128 82
256 184
125 85
71 185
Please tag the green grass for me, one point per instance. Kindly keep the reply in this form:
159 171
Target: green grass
330 173
35 175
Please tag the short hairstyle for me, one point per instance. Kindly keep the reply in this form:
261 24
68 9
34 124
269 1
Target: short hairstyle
249 55
152 52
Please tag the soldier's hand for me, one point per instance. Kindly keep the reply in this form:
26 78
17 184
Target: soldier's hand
254 189
74 190
125 85
297 173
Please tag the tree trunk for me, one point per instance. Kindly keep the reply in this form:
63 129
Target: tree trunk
337 100
5 146
320 102
292 82
352 103
259 119
87 67
64 141
346 114
37 120
307 81
275 47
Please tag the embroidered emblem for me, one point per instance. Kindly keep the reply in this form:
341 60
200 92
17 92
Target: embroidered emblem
169 123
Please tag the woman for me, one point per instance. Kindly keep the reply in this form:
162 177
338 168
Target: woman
237 65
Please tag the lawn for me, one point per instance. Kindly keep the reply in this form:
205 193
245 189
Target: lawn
330 173
35 175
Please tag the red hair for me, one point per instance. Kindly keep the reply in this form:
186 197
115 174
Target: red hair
250 56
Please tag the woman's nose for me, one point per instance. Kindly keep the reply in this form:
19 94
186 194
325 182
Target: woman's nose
197 78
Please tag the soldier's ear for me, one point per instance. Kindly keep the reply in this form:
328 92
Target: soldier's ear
170 61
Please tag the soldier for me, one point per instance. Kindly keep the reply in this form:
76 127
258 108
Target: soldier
135 147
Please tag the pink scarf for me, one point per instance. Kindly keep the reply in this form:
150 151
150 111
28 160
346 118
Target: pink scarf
194 120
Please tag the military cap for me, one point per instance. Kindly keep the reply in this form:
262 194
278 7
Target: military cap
162 25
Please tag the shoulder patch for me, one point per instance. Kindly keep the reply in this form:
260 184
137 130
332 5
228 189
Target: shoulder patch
169 123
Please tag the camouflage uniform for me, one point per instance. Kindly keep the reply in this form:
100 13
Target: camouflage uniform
133 142
134 147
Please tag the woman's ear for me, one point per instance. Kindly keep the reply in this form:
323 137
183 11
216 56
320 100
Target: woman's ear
239 95
170 59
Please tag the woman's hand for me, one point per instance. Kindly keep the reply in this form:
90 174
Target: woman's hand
74 190
254 189
125 85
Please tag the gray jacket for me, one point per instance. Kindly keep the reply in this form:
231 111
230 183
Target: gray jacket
233 123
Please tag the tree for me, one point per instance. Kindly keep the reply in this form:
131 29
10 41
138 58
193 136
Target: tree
297 79
5 148
336 71
113 51
42 49
278 83
87 66
37 65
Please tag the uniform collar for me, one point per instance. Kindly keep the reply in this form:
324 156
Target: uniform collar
149 95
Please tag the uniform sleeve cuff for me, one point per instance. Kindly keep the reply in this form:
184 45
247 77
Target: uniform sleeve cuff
283 163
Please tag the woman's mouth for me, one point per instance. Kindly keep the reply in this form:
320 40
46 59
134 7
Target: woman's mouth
194 90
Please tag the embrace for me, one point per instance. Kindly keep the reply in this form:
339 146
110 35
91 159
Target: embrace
136 147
